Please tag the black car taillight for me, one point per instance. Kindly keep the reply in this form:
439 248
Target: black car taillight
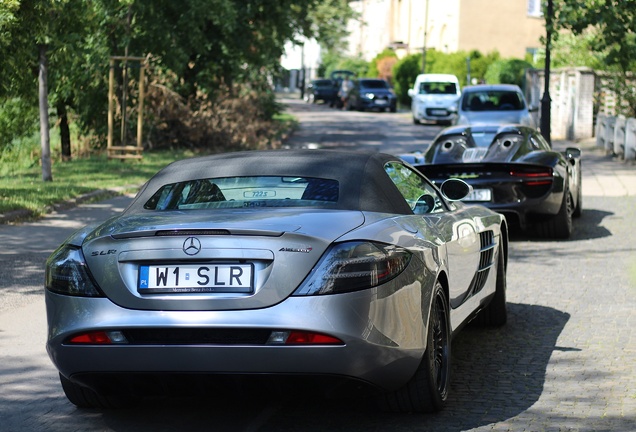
66 273
538 177
354 266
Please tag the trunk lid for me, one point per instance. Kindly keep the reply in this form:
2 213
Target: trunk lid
198 260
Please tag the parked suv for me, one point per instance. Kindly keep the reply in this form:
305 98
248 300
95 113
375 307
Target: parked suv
434 98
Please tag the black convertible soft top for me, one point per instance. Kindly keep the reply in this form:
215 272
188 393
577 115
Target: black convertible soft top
364 184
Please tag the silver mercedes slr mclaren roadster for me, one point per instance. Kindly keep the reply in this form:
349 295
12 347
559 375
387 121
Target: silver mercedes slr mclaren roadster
347 266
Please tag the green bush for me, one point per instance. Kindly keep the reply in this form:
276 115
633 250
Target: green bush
332 62
405 72
511 71
18 119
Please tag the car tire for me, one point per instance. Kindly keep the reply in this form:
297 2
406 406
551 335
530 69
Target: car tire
560 225
496 313
83 397
427 390
393 109
416 121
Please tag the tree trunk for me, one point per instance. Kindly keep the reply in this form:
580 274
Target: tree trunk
44 117
65 133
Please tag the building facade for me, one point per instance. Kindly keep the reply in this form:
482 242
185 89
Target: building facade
511 27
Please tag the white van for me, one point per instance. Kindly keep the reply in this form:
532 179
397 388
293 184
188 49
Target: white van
434 98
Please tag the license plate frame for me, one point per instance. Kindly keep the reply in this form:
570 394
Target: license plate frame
196 278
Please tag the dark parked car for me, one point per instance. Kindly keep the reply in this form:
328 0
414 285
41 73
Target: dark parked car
321 89
345 266
512 170
372 94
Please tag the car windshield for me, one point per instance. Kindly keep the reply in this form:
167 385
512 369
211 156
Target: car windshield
377 84
438 88
492 100
323 83
483 138
245 192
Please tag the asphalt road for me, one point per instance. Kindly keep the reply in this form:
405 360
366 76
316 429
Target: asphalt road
564 362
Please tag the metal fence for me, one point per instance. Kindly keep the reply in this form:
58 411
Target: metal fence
617 135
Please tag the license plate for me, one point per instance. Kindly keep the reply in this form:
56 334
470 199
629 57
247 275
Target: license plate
479 195
196 278
381 102
438 112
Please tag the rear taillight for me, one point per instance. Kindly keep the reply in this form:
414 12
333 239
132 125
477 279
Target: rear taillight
354 266
67 273
539 177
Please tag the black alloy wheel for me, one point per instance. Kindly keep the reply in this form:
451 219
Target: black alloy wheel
427 390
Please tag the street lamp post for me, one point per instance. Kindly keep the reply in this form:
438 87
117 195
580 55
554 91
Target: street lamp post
545 100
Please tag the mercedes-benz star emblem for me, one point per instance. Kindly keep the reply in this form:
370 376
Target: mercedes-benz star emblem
191 246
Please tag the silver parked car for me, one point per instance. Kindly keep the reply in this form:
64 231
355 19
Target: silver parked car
494 104
349 265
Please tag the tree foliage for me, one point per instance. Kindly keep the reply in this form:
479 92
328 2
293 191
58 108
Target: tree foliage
405 72
609 27
510 71
201 50
382 65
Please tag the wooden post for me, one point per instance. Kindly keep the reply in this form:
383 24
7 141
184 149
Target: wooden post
111 86
140 106
124 151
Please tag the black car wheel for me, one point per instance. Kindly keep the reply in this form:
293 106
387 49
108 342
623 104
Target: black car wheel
427 390
83 397
559 226
496 313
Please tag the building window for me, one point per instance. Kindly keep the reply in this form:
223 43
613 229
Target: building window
534 8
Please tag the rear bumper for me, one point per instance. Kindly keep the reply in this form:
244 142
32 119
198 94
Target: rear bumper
377 349
423 112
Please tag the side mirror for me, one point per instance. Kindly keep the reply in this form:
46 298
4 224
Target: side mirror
425 204
410 92
455 189
533 108
572 152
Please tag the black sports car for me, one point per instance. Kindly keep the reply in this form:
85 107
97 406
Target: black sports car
513 171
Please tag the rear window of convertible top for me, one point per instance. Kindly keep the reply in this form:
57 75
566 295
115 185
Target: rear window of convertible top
246 192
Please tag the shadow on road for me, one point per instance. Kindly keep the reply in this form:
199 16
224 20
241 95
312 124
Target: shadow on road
497 374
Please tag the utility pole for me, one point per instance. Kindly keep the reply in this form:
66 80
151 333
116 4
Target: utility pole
545 100
302 71
425 31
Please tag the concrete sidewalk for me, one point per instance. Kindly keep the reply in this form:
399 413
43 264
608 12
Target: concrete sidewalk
603 174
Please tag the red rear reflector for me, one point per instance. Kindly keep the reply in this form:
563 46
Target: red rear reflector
98 337
308 338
